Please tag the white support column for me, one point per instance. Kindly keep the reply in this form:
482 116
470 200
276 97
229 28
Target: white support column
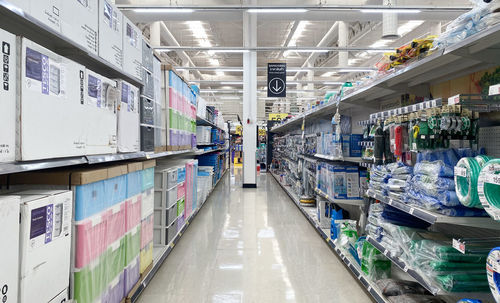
249 99
343 41
155 33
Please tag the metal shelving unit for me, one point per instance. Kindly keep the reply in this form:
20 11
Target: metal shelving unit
202 152
356 202
349 261
164 252
473 53
204 122
433 217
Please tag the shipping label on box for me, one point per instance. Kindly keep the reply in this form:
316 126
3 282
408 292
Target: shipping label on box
79 22
9 233
45 244
8 97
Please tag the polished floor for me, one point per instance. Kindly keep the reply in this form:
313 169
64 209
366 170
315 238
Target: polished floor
252 245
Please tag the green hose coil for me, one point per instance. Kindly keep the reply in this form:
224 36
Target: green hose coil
466 186
482 159
488 191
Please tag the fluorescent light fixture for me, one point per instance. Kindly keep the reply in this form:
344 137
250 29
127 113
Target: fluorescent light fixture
332 83
199 33
277 10
229 98
381 43
391 10
214 62
219 73
354 70
309 50
228 51
229 70
380 51
298 70
208 91
328 74
231 82
409 26
163 10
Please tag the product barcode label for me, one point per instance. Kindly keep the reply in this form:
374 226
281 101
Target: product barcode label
454 100
460 171
459 246
493 179
495 90
411 211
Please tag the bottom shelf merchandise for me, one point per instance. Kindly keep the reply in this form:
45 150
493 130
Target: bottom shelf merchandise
426 266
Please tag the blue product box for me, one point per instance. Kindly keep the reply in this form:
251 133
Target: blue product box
134 183
355 148
115 190
89 200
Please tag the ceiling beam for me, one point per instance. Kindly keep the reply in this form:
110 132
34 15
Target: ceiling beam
304 49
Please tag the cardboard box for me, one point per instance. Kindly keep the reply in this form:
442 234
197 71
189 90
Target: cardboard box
51 109
352 182
132 49
45 244
363 179
8 97
9 233
101 98
128 118
48 12
79 22
110 33
355 148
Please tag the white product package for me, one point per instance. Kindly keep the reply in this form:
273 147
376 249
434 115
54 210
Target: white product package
47 12
8 97
110 33
51 107
79 22
132 49
9 233
101 98
45 244
128 118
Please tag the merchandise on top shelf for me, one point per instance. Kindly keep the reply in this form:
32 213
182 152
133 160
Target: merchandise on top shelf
45 244
110 33
45 95
8 95
48 12
79 22
132 49
147 56
9 232
128 118
160 111
101 98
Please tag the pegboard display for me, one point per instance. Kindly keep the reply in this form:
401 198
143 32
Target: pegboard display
489 138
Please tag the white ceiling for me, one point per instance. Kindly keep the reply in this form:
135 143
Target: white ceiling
224 29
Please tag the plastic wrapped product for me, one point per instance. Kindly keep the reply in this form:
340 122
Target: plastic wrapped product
432 185
435 168
492 271
391 287
488 190
463 282
374 264
466 177
411 298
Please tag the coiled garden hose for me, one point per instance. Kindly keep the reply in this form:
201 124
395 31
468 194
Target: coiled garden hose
482 160
466 177
488 190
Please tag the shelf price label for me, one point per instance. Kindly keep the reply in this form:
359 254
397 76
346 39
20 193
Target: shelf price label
459 246
494 90
460 172
454 100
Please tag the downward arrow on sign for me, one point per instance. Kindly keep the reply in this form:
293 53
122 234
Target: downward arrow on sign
276 86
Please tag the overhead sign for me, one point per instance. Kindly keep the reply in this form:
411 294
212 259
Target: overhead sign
277 116
276 80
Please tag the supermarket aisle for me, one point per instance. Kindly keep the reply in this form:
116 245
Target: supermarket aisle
252 245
